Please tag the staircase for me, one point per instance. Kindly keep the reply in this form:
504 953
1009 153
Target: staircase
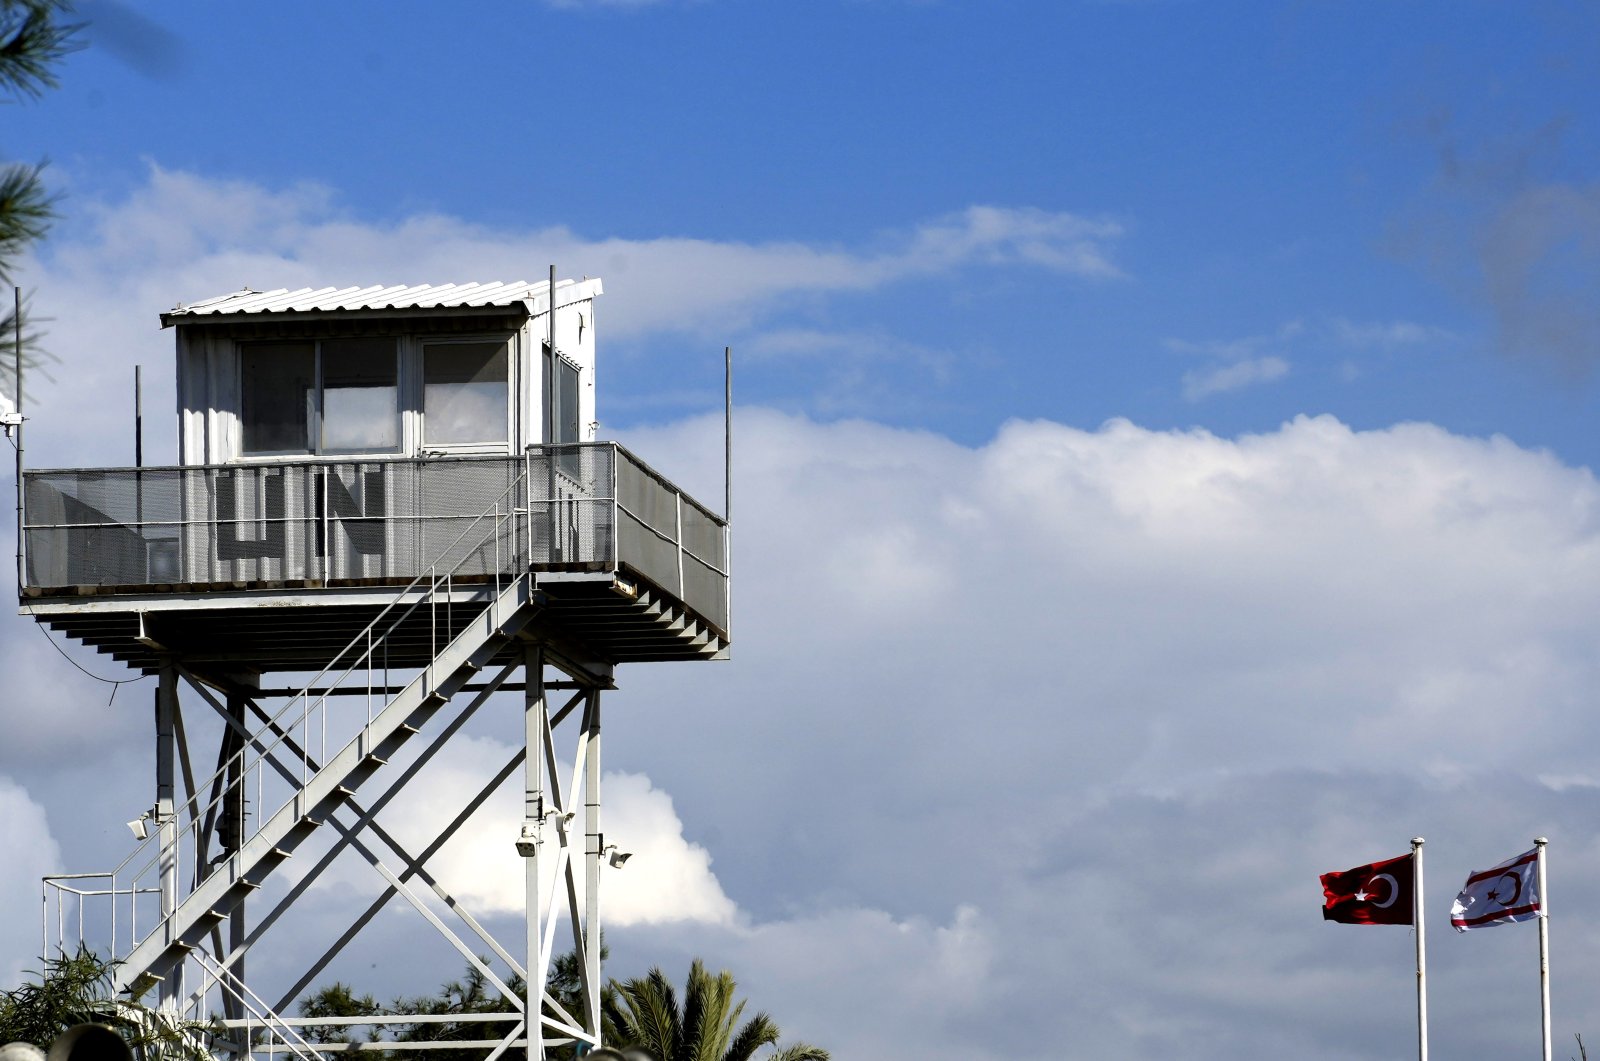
211 901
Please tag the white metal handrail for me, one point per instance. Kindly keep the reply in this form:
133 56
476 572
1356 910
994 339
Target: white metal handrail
152 851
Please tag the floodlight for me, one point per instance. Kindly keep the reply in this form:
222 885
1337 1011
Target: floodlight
528 842
616 857
140 830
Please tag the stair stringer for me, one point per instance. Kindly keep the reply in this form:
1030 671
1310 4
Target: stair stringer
165 947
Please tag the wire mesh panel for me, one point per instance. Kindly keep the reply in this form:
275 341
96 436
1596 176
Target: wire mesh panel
570 504
648 525
463 515
705 561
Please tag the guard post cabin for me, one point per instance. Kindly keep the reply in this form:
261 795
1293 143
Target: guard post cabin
399 492
334 442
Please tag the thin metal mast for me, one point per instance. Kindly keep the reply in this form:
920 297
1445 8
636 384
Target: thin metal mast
138 418
1544 946
16 320
1422 950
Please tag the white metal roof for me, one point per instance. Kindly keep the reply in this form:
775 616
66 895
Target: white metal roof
535 296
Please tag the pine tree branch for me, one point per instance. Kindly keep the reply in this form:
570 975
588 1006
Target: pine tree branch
34 37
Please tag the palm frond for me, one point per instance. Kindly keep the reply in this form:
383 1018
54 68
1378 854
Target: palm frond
801 1052
759 1031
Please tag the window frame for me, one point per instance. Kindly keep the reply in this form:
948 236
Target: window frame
422 446
316 412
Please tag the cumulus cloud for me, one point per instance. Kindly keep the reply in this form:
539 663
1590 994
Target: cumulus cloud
30 853
668 879
1045 741
1123 694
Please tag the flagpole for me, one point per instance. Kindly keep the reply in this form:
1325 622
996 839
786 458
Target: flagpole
1544 947
1422 950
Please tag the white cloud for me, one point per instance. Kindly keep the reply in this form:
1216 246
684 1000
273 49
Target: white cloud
1124 693
1233 364
1219 379
668 879
1044 742
30 853
1386 335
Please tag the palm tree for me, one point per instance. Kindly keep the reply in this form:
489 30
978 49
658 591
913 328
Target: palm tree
76 989
645 1014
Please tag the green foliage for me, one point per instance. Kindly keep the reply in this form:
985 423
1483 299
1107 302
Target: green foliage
76 989
471 994
645 1013
337 1000
34 36
640 1017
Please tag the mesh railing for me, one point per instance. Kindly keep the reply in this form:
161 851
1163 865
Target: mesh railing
590 506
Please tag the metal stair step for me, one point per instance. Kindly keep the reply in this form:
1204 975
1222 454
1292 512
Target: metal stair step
402 716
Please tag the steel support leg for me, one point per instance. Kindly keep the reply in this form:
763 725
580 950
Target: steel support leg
171 988
535 723
230 834
592 853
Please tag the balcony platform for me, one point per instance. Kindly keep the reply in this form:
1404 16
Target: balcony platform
279 566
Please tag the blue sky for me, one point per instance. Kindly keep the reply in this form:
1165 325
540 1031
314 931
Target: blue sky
1264 167
1165 450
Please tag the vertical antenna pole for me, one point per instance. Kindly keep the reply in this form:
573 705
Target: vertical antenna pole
727 434
1422 949
16 320
727 487
138 418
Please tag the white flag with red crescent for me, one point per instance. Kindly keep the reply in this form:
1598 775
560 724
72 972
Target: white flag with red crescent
1507 893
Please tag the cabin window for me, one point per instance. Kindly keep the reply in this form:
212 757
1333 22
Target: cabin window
327 396
360 396
277 382
566 418
466 393
561 420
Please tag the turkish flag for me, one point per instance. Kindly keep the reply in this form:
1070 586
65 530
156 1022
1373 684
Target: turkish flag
1379 894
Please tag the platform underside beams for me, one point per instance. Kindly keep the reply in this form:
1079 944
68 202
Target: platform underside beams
603 618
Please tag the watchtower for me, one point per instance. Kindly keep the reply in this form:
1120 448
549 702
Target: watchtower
390 506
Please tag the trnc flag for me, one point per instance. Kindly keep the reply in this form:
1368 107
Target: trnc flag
1508 892
1379 894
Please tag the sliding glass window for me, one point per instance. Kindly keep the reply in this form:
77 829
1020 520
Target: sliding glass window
327 396
360 396
466 394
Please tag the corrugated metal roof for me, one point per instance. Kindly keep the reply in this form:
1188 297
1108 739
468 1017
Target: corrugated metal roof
379 297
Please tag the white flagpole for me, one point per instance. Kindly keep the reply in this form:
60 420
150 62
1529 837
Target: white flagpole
1422 950
1544 947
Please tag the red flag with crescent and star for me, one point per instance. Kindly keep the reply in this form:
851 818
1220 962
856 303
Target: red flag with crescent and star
1507 893
1379 894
